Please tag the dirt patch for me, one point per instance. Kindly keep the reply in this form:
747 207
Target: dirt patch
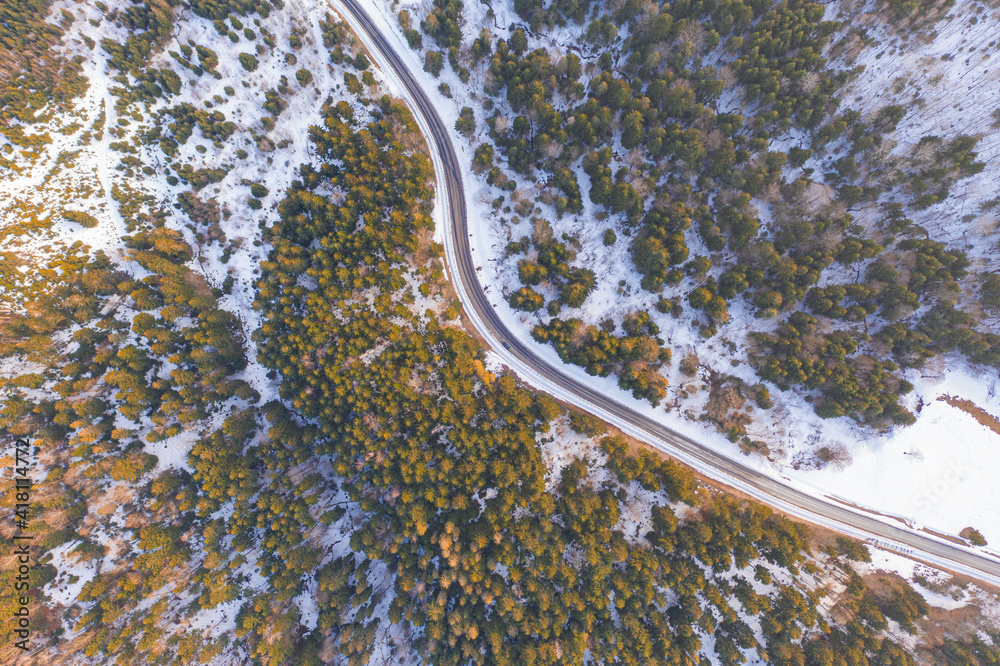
882 583
973 410
817 195
941 623
946 537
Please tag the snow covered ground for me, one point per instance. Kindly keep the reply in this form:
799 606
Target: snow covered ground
80 170
939 473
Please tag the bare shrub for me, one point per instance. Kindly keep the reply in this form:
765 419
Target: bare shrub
835 454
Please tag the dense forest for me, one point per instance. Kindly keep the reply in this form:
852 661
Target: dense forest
489 567
355 481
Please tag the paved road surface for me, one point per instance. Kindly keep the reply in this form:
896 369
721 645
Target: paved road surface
707 461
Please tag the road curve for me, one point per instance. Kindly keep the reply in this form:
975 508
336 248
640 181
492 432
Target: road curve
552 379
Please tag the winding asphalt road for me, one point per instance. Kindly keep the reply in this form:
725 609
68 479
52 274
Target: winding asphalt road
552 379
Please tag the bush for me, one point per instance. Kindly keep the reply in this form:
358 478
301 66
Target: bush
798 156
171 81
904 605
466 123
434 63
989 290
762 397
353 85
413 38
587 424
526 299
974 536
132 467
83 219
304 77
248 61
483 158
